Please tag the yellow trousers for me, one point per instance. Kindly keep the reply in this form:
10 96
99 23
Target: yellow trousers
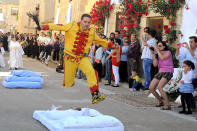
84 64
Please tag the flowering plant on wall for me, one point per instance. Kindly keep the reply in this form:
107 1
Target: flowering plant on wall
130 16
100 10
168 9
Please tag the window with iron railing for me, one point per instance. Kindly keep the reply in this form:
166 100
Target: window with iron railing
14 11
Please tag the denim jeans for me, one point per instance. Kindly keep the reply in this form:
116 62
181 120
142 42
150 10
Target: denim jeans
192 100
147 66
194 82
108 71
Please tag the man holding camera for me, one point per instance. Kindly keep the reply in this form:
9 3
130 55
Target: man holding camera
189 53
146 55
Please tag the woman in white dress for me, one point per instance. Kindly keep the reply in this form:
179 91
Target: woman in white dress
2 52
16 52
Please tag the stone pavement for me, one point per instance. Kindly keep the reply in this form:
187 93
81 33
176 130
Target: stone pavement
135 110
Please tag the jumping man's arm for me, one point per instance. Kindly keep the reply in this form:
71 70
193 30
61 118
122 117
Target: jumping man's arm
102 42
57 27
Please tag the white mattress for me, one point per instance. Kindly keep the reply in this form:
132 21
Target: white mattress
73 120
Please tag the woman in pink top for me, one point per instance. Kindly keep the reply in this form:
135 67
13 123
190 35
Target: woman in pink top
166 69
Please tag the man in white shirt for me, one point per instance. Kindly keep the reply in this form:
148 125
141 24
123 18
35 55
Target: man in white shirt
41 40
188 53
146 55
48 47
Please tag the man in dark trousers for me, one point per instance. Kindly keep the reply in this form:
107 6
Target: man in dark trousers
30 46
133 54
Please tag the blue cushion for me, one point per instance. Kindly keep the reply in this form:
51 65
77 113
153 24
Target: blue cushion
24 73
22 84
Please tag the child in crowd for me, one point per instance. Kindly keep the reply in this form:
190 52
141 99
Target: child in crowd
2 52
135 82
186 87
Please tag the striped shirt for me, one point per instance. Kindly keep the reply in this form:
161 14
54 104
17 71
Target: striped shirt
99 53
146 51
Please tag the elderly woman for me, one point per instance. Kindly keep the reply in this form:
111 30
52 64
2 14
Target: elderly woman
163 60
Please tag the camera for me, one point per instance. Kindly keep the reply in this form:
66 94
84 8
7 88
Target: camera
151 48
182 44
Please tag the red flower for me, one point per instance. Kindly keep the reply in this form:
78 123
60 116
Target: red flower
158 26
172 23
146 13
121 26
165 26
130 5
140 2
167 31
168 10
110 7
166 41
171 1
136 25
123 35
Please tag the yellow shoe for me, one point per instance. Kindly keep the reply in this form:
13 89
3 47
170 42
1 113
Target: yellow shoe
97 98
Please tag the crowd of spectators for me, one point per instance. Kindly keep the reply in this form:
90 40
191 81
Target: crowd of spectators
121 64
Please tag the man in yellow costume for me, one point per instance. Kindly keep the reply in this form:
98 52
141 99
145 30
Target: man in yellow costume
79 37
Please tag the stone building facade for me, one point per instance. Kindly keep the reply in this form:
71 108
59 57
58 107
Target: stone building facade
48 9
9 14
84 6
46 14
79 7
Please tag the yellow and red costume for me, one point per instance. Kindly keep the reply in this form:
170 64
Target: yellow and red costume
76 50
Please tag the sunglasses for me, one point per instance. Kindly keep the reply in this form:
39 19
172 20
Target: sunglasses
160 45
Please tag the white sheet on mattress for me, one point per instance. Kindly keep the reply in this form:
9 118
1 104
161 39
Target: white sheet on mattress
72 120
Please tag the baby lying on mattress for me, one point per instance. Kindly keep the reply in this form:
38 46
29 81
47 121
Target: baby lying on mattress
77 119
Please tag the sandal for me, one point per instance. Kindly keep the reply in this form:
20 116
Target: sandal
160 104
166 108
